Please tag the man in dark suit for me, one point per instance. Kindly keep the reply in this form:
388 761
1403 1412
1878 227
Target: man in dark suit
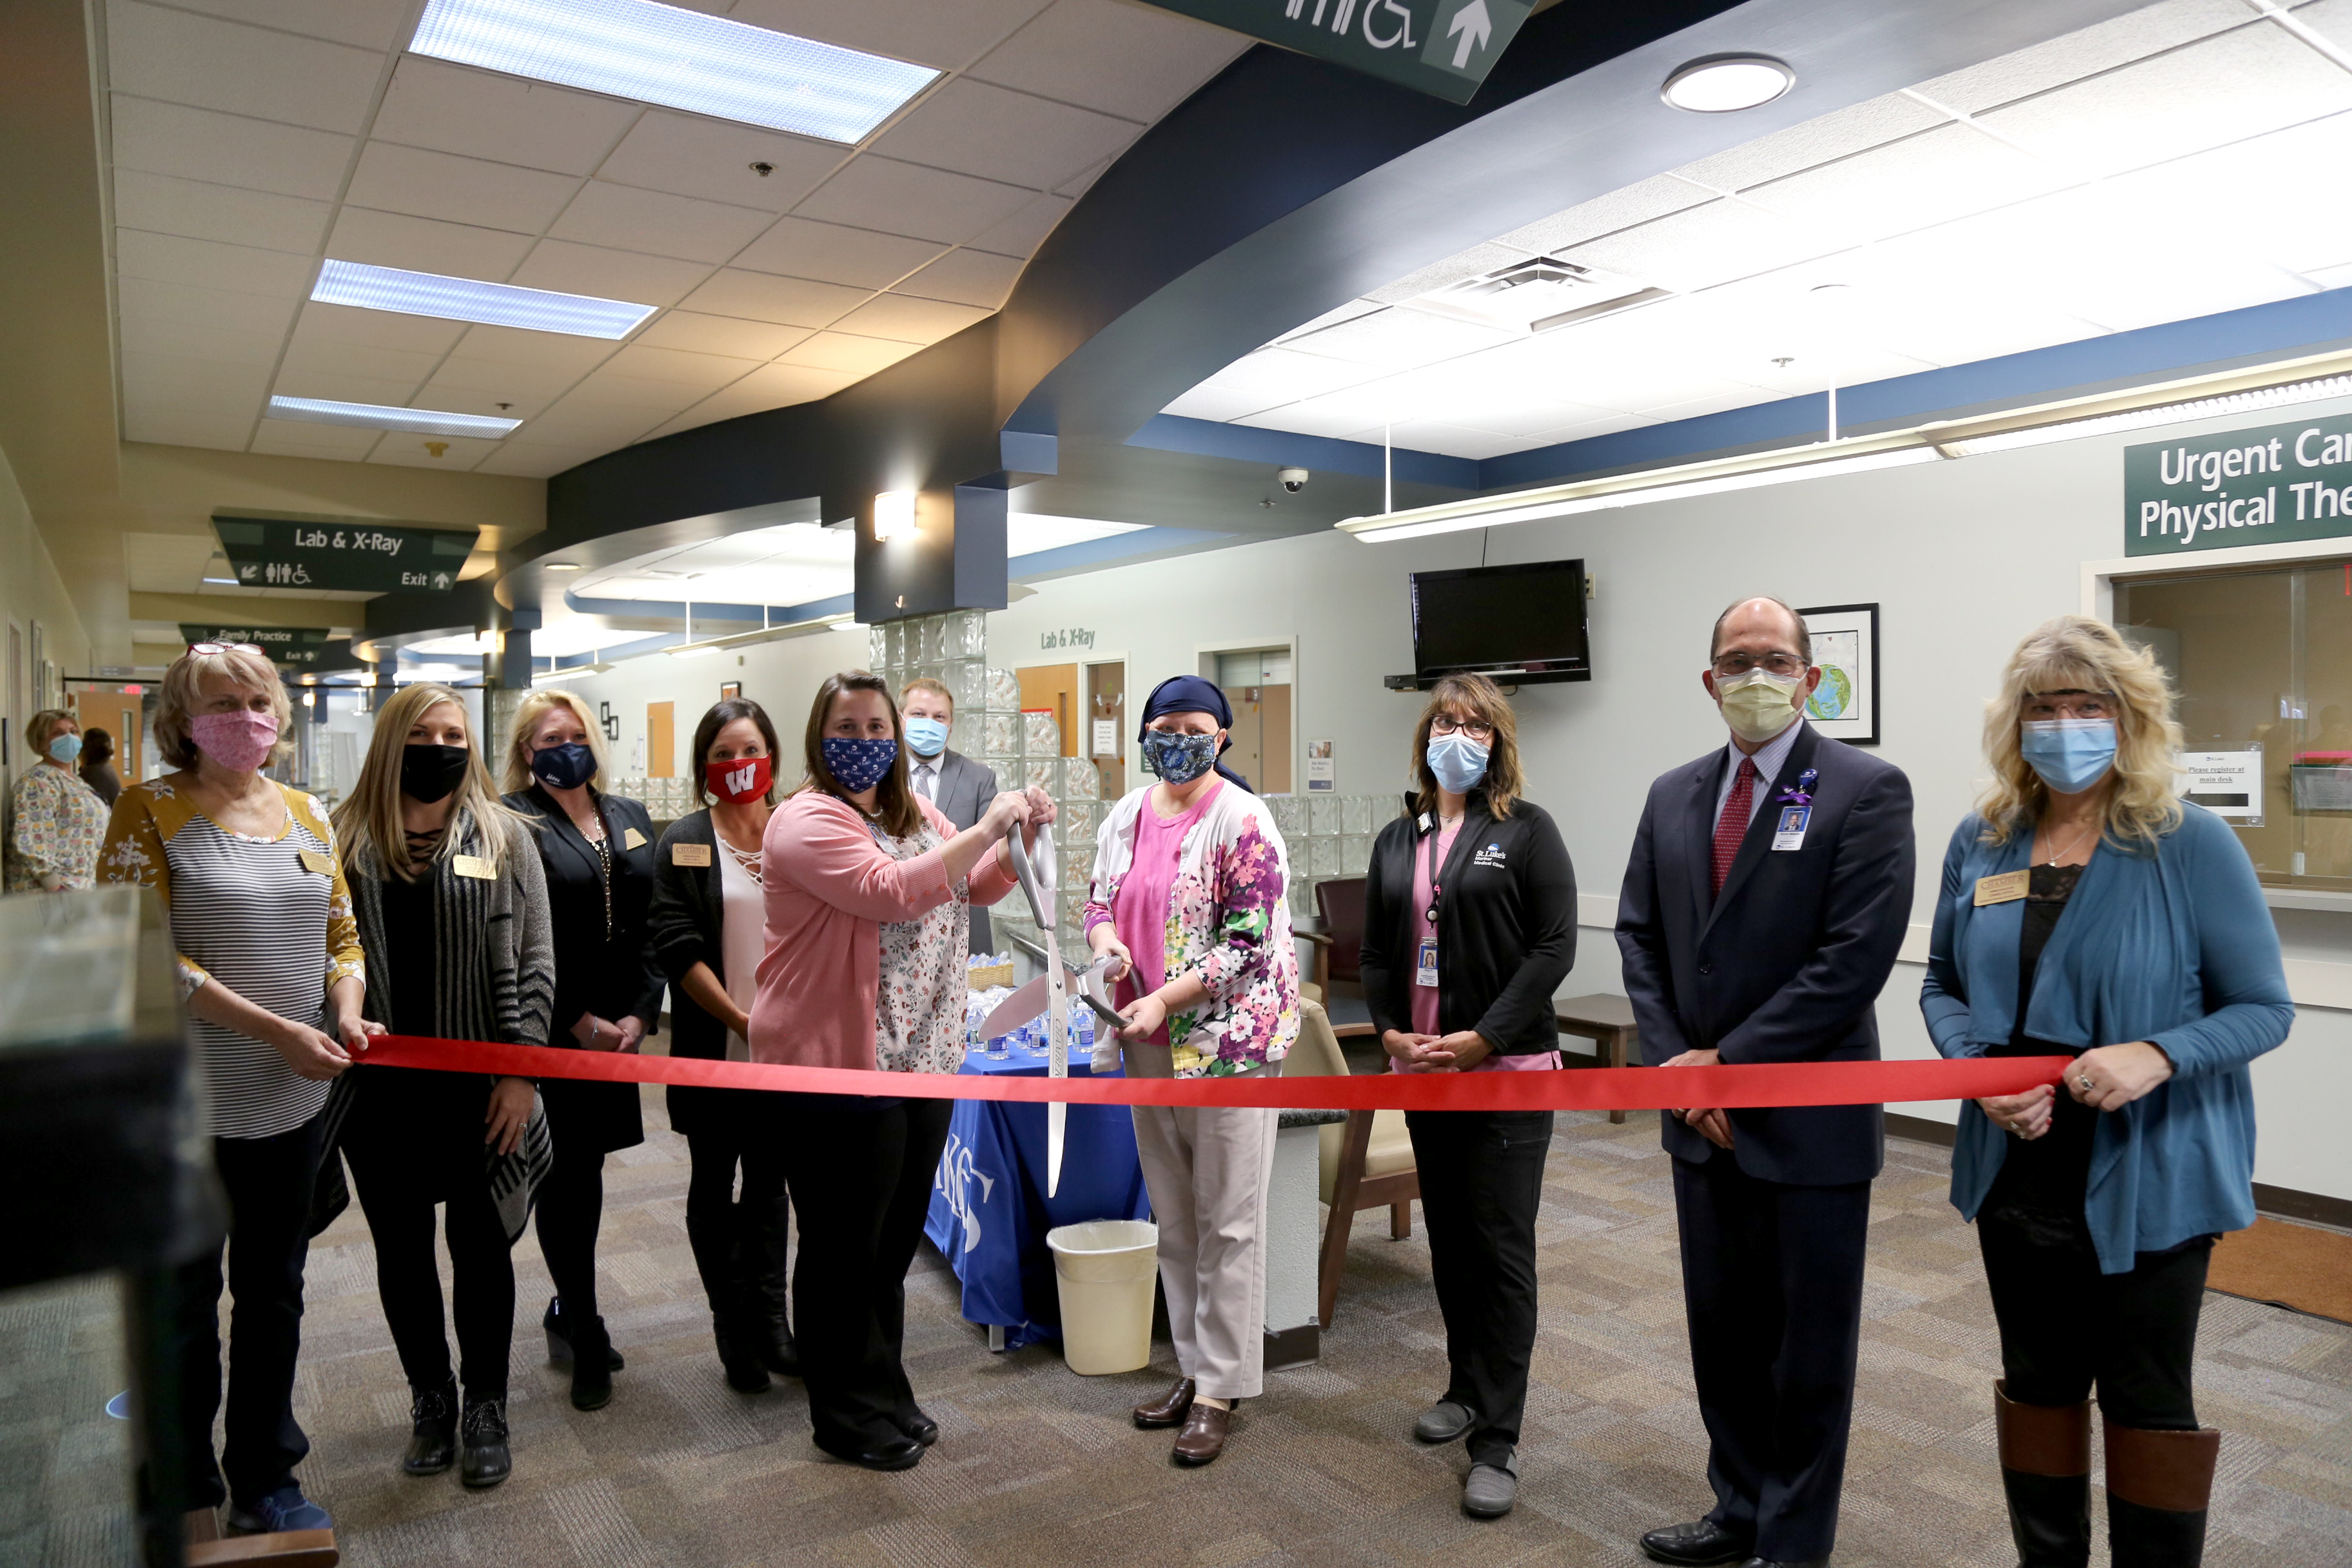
1768 893
961 787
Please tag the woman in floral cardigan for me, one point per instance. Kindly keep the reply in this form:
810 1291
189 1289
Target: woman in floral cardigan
1188 897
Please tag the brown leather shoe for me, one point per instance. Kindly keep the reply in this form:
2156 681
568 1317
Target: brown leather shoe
1203 1437
1169 1411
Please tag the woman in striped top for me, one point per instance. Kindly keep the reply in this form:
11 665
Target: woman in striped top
270 969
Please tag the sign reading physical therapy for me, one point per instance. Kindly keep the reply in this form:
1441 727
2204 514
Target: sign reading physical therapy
362 557
284 645
2272 485
1442 48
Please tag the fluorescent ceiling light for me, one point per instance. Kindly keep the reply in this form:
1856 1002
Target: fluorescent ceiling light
691 650
561 566
2161 414
851 626
1721 83
226 581
377 416
467 645
464 299
683 59
1025 533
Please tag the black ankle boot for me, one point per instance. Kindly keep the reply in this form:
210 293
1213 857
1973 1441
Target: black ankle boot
772 1311
2045 1470
559 1338
485 1461
2158 1484
433 1438
592 1364
738 1354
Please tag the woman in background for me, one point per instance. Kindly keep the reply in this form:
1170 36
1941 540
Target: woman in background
597 851
707 923
98 765
58 822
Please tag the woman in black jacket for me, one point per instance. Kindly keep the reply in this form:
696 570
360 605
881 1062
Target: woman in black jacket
707 920
1469 927
598 852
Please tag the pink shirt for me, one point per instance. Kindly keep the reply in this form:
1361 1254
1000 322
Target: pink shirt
1138 911
1435 852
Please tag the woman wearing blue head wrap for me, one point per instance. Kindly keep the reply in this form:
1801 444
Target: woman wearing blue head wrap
1188 897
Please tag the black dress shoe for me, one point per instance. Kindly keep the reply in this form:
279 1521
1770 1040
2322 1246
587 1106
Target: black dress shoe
896 1454
485 1461
1786 1563
1698 1545
922 1429
433 1438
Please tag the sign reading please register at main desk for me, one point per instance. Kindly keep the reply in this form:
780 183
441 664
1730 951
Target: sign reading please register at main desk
2270 485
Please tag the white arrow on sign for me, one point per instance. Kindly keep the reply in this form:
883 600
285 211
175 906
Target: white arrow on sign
1473 28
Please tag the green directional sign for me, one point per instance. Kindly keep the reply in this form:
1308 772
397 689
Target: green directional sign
1442 48
2270 485
295 646
363 557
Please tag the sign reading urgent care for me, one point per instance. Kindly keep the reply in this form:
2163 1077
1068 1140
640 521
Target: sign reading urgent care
1442 48
2265 486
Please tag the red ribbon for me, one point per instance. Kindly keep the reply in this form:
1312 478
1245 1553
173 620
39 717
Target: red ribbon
1590 1088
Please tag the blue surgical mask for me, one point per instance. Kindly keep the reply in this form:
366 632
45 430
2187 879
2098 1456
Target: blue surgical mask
1458 761
1179 759
858 765
567 766
2070 754
927 737
65 748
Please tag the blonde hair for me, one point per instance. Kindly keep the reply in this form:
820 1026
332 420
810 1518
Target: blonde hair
2075 653
534 707
370 817
183 688
42 728
925 683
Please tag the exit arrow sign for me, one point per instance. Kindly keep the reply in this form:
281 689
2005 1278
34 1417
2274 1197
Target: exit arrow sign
1442 48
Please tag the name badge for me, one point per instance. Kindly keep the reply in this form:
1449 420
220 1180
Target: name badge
473 866
1790 832
689 854
1425 969
313 861
633 839
2005 888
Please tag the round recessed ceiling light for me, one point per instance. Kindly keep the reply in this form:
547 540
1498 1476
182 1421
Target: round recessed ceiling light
1721 83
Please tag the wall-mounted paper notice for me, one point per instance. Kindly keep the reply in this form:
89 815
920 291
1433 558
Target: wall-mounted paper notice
1322 768
1106 737
2227 783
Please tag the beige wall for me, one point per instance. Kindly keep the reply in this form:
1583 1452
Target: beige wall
31 590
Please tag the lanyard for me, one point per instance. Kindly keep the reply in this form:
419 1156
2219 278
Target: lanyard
1434 889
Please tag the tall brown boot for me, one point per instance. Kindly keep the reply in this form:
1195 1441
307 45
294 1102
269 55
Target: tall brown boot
2158 1485
2045 1470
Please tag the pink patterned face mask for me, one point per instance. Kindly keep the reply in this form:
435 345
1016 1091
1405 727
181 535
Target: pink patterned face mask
239 742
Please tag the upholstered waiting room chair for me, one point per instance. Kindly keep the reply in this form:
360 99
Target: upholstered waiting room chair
1367 1163
1336 932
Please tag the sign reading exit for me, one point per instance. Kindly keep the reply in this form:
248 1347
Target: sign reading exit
1442 48
271 552
2269 485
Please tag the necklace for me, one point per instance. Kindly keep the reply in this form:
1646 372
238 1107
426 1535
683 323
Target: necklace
2058 854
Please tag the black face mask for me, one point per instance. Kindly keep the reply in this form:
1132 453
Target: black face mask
427 773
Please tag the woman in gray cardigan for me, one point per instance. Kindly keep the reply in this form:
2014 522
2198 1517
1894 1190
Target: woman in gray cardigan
2087 913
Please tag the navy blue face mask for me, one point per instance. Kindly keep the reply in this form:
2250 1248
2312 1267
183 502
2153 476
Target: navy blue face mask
567 766
857 765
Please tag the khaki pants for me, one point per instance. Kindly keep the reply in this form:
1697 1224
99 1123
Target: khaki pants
1208 1170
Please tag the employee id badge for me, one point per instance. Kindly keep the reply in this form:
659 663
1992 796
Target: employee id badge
1790 832
1424 968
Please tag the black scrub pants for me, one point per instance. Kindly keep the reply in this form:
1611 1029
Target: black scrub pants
2065 1328
399 1206
739 1243
1481 1175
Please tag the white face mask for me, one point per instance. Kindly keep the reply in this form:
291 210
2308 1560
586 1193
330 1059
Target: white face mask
1758 705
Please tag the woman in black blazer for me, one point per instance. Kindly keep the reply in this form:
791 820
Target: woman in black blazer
708 922
1469 926
598 852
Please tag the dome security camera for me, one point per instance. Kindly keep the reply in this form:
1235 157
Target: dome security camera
1293 479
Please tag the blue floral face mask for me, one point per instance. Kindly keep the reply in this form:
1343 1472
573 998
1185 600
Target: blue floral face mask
858 765
2070 754
1179 759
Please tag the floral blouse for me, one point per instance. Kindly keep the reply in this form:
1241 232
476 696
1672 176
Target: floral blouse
59 824
918 1008
1228 922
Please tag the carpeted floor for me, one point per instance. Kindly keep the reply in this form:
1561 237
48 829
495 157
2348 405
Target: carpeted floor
2304 1267
1038 1467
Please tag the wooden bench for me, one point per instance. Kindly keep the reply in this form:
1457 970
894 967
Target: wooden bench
1608 1021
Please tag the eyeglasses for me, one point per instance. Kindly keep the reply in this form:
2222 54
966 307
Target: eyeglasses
209 648
1737 664
1447 725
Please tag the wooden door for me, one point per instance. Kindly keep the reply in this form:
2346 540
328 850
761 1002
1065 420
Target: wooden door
118 715
661 740
1274 740
1054 686
1107 704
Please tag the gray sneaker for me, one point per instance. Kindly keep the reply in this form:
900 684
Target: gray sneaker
1443 1421
1492 1489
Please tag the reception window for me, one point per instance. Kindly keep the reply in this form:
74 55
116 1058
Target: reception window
2263 659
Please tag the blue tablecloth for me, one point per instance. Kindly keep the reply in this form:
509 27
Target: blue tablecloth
990 1213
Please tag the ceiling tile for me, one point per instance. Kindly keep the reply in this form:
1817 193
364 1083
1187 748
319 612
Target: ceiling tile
846 352
1834 135
903 198
1704 245
1309 419
713 159
2268 174
183 428
966 277
797 248
425 183
1122 59
530 460
160 375
1925 179
530 387
604 427
296 438
1635 204
771 386
426 245
2072 55
608 274
946 34
460 453
500 403
370 23
1453 440
1585 429
196 341
974 128
910 320
1208 401
608 389
307 356
1026 230
147 297
481 114
1487 258
700 333
551 351
207 63
377 328
705 372
208 264
198 145
1078 185
628 217
164 204
1398 337
1273 375
343 386
788 302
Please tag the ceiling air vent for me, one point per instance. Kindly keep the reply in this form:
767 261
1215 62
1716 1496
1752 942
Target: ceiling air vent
1537 295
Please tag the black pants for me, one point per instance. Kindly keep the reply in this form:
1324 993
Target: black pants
2066 1328
571 1211
269 1183
399 1209
739 1244
1481 1183
1772 1283
860 1181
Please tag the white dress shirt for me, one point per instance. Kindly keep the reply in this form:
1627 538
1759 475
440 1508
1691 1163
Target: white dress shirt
927 778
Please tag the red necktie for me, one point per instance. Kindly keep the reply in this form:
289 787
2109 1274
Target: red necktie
1732 826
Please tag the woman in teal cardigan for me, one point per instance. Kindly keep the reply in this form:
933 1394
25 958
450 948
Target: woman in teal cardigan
2087 913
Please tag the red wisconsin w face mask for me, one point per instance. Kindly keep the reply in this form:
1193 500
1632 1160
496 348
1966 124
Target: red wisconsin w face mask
742 781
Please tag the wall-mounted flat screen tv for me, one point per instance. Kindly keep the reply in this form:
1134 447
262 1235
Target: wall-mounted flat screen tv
1518 624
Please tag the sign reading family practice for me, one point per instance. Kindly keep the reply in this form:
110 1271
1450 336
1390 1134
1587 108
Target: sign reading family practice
284 645
363 557
1442 48
2265 486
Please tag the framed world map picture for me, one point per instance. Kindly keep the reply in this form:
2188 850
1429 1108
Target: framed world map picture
1845 706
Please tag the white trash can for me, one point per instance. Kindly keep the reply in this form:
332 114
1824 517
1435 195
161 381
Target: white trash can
1104 1270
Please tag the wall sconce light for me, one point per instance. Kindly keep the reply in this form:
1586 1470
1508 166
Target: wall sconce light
894 516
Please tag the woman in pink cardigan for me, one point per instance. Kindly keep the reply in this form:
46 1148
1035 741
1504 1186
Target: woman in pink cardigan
869 891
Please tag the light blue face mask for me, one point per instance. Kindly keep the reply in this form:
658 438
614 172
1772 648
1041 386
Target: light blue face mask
927 737
65 748
1458 763
2070 754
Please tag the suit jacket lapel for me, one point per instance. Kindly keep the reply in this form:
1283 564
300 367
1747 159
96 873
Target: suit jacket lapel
1698 842
1757 842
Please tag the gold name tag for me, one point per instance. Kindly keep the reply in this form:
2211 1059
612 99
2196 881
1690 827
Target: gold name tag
689 854
314 861
633 839
473 866
2005 888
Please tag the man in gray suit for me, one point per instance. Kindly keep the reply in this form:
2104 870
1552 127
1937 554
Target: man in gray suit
959 786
